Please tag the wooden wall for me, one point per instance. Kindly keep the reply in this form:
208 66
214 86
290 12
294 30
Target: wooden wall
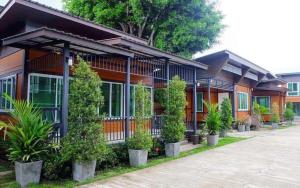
242 114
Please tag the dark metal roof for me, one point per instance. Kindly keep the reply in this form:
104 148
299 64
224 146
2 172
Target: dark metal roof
288 74
140 47
278 80
51 39
17 12
274 88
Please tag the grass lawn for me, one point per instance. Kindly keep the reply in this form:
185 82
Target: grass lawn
9 180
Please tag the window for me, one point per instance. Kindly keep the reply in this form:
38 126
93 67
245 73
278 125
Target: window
293 89
148 112
7 86
263 101
199 101
45 91
113 95
242 101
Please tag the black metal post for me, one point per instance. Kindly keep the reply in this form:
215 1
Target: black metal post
233 101
65 97
208 90
127 98
25 75
195 100
167 71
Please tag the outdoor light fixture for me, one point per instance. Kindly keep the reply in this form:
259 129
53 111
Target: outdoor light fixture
70 61
279 85
157 69
198 84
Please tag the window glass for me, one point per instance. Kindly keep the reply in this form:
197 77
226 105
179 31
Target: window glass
242 101
293 89
132 100
148 111
106 93
7 86
116 99
263 101
199 102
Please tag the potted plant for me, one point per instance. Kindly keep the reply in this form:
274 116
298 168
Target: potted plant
247 123
28 140
226 117
289 113
213 123
174 128
84 142
275 116
141 142
241 125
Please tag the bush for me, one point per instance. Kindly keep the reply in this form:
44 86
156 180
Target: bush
289 112
84 140
158 148
28 134
174 128
275 113
141 140
226 114
213 120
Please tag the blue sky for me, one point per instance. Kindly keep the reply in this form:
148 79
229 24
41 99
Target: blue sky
266 32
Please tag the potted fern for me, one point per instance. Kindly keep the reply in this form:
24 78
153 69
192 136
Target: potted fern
28 138
174 128
226 117
141 142
275 116
213 123
84 142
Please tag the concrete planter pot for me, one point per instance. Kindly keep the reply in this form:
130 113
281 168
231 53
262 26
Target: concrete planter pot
223 133
137 157
212 140
247 127
274 125
83 170
172 149
241 128
195 139
27 173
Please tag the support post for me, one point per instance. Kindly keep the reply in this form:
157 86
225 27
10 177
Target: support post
25 75
195 101
208 90
127 98
65 97
233 101
167 71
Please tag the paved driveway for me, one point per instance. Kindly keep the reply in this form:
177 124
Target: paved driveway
269 160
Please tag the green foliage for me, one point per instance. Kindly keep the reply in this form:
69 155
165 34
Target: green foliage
141 140
160 96
275 113
174 128
54 166
213 119
158 148
289 112
181 27
84 140
28 133
226 114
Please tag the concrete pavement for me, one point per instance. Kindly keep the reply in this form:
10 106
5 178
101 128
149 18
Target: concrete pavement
270 159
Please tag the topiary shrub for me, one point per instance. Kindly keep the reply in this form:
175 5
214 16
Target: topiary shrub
289 112
226 114
84 141
275 113
174 128
213 119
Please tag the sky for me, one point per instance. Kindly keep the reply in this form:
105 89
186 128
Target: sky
266 32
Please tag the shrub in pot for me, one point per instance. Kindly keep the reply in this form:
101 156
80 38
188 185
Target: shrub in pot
84 142
141 141
226 117
174 128
275 116
241 125
28 140
247 123
289 113
213 123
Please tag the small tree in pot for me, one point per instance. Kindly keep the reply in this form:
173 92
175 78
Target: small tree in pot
84 142
28 138
226 117
141 142
275 116
289 113
174 128
213 123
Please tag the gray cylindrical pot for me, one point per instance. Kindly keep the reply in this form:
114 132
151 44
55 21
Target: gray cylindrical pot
247 127
27 173
274 125
83 170
212 140
137 157
241 128
223 133
172 149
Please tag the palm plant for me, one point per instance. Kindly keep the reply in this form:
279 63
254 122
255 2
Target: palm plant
213 120
27 132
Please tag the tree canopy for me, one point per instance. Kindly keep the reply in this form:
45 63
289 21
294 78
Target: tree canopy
178 26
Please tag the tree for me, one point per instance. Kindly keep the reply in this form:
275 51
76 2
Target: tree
84 140
226 114
179 26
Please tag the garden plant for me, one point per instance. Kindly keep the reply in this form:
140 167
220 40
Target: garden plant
275 116
226 116
213 123
289 113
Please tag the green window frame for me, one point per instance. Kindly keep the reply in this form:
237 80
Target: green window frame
243 101
263 101
293 89
113 99
199 101
7 86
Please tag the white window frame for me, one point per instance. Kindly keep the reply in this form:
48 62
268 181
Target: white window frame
298 92
110 99
12 91
269 98
152 99
240 109
201 103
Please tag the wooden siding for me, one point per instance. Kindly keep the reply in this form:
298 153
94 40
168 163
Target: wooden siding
242 114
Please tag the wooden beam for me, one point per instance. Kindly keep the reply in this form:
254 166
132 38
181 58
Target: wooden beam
244 72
